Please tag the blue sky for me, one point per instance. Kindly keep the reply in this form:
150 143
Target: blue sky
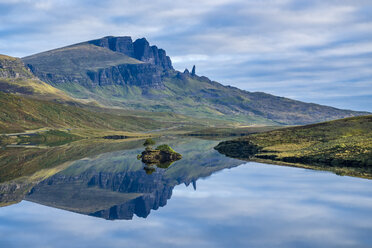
316 51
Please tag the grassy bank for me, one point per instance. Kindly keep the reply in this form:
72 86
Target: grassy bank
343 145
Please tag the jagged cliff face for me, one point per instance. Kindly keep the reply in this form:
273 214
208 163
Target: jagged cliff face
142 75
151 54
140 49
153 189
117 44
102 62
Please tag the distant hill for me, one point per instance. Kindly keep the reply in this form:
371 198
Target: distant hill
344 146
134 75
17 79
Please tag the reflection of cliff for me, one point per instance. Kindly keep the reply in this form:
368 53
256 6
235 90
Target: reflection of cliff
154 194
105 194
115 186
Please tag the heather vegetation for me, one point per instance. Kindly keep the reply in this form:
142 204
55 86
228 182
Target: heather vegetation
344 145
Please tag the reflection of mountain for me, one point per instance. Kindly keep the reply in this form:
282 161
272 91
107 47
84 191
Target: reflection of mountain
22 168
108 195
115 186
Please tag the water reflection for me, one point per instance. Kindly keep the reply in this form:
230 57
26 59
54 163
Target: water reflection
116 185
23 168
253 205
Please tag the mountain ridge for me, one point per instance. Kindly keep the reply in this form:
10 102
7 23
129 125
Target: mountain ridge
153 85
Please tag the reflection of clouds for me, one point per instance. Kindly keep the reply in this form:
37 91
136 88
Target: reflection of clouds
253 205
300 209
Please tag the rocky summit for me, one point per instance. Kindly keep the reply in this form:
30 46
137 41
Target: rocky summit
139 49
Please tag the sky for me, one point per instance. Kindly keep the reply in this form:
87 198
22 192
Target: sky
315 51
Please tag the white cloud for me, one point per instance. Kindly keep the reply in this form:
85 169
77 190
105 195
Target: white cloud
232 41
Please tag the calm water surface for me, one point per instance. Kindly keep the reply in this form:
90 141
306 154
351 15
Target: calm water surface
203 200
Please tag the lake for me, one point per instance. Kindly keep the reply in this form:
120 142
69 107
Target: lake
79 195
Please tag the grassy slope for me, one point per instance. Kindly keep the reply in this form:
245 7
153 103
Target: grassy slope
79 58
17 79
34 88
211 98
199 98
19 113
219 132
345 143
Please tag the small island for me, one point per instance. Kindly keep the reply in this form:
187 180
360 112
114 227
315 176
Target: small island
162 156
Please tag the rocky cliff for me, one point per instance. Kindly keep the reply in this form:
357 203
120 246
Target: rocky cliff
11 67
142 75
140 49
118 44
13 192
140 193
151 54
91 65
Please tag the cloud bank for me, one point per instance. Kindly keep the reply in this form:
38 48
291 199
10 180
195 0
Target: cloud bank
315 51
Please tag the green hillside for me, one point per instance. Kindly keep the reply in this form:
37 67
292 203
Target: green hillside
344 146
114 79
17 79
78 58
201 98
18 114
34 88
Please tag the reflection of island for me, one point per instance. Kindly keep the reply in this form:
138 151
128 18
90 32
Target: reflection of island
162 157
115 186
